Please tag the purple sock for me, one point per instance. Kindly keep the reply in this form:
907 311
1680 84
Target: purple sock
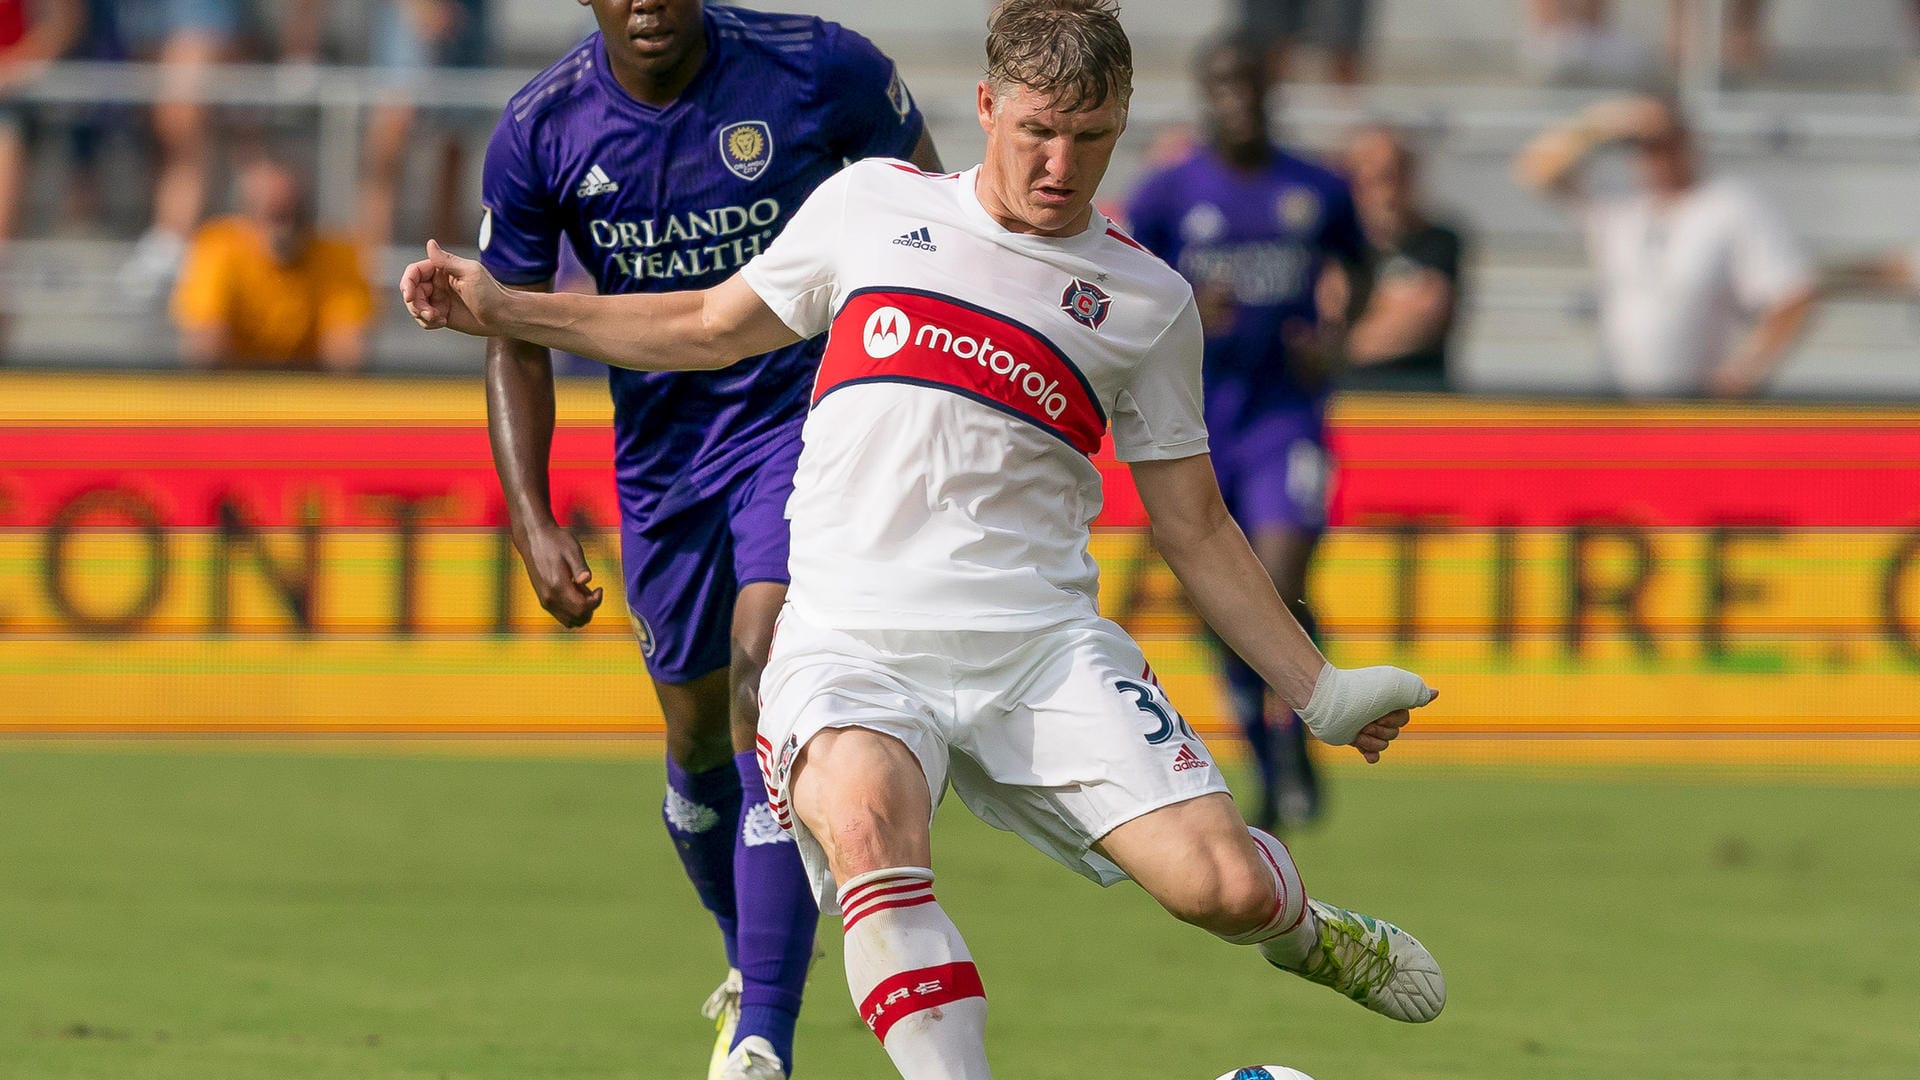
700 810
777 919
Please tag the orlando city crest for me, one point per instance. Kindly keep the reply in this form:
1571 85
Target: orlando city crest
1085 303
746 148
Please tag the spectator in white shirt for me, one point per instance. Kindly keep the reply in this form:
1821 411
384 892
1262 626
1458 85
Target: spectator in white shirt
1703 288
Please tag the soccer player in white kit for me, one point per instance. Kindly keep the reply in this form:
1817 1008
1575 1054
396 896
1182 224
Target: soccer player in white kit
986 329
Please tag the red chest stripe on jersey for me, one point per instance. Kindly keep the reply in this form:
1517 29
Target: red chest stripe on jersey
1125 239
926 339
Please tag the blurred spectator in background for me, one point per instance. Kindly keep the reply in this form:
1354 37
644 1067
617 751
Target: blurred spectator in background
1338 26
29 41
410 38
1684 264
100 42
262 289
1253 228
1896 272
1743 37
1575 41
186 37
1403 310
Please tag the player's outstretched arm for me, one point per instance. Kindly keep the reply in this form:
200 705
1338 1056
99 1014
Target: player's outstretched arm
1362 707
679 331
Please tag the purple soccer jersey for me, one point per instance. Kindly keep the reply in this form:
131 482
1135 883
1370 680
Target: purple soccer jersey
1265 234
661 199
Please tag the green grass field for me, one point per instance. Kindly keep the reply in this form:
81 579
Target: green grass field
182 913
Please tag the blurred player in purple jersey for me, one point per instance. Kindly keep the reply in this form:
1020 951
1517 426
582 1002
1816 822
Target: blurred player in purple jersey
667 149
1253 227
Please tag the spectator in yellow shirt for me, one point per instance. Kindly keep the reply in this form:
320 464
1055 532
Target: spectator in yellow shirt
263 289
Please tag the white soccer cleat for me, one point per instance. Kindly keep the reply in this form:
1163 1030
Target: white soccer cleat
753 1059
723 1008
1375 963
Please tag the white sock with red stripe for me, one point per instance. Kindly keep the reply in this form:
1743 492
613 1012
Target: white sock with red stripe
912 977
1286 937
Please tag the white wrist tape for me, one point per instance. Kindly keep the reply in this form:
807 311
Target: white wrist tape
1344 701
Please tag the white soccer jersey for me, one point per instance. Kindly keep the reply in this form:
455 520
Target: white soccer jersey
970 372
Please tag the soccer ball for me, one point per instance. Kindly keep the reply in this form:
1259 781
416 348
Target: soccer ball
1266 1072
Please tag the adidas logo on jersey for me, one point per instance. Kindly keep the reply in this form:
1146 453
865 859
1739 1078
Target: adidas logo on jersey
919 238
1187 759
596 183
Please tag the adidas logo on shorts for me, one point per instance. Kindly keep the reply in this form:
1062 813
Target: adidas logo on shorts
1187 759
919 239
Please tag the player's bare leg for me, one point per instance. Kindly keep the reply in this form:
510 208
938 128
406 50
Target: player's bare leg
775 912
1206 867
864 797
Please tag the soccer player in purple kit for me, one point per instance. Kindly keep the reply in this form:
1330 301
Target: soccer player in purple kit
1252 227
667 149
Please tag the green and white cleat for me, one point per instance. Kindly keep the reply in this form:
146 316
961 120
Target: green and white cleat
1375 963
753 1059
723 1008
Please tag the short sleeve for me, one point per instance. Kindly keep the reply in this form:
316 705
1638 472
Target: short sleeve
1159 416
519 223
796 275
201 296
869 110
1768 263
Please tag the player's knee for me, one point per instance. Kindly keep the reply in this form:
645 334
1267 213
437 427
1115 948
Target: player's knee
855 843
1225 894
699 747
699 732
863 798
860 834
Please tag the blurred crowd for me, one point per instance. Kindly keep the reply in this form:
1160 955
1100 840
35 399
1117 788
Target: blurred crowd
1702 288
231 248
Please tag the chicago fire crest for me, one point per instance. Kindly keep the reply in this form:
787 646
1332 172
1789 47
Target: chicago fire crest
1085 303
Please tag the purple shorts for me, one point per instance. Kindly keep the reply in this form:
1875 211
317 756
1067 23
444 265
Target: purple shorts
1274 471
684 573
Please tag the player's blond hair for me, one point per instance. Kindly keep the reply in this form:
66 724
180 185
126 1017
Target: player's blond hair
1071 52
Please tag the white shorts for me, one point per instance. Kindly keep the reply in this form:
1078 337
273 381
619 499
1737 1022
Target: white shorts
1058 735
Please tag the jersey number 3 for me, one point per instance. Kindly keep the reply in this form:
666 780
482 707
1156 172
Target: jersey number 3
1166 723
